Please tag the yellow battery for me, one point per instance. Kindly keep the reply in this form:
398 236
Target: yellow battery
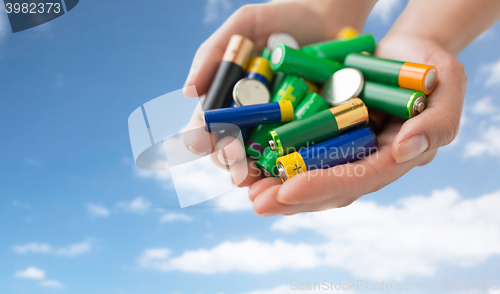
260 67
347 32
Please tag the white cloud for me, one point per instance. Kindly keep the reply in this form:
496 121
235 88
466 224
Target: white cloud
200 180
294 287
278 290
197 178
384 9
30 273
162 177
33 248
74 249
138 205
44 248
171 217
493 71
247 256
216 10
159 175
484 106
51 284
96 210
34 273
20 204
32 161
414 237
489 144
235 200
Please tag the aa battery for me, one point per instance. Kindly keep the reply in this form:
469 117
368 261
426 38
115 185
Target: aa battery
299 63
267 162
249 92
312 87
319 127
279 77
265 53
347 33
343 85
230 71
392 100
247 116
414 76
338 49
311 104
282 38
291 89
260 69
345 148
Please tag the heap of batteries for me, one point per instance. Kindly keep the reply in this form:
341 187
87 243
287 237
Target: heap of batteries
306 108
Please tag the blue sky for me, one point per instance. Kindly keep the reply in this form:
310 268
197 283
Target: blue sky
76 216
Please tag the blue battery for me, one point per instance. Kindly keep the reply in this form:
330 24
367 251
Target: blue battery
247 116
260 69
336 151
257 76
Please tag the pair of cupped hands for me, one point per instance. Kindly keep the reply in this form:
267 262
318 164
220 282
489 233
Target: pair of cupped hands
403 144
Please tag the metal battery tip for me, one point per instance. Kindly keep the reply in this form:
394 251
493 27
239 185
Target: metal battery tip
282 172
418 106
271 144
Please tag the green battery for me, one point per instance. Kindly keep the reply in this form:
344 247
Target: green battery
299 63
413 76
311 104
265 53
392 100
318 127
338 49
279 77
292 88
267 162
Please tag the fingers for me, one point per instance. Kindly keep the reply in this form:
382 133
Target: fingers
338 186
209 55
256 22
229 150
246 174
258 187
266 205
196 139
438 124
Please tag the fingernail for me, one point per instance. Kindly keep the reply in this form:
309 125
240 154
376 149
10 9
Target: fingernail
411 148
191 149
266 214
224 160
284 198
284 201
189 79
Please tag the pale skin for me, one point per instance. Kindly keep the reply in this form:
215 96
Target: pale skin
428 31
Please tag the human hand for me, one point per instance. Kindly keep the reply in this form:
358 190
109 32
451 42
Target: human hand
308 21
403 145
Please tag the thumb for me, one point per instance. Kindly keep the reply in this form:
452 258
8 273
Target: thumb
209 55
438 124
